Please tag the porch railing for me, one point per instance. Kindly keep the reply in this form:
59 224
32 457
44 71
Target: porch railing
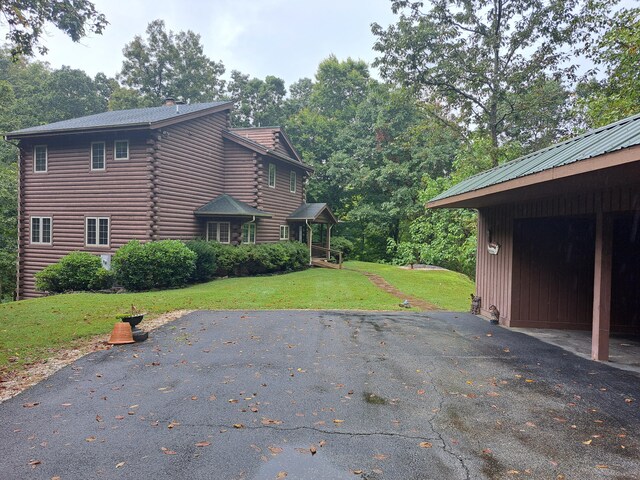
320 252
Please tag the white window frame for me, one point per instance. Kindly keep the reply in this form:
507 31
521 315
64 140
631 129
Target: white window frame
284 232
251 232
272 168
86 231
46 159
115 149
40 240
217 239
293 181
104 156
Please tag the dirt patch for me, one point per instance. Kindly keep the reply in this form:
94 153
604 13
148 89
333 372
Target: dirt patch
13 383
381 283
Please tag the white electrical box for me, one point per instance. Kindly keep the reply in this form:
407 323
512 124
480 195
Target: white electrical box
106 261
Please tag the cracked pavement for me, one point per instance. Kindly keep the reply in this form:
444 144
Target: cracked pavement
327 395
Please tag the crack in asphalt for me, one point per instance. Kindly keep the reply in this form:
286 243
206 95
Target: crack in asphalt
431 420
314 429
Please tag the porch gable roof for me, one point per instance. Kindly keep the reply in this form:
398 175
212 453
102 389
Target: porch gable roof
312 212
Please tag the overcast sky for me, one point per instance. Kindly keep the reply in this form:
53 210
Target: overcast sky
285 38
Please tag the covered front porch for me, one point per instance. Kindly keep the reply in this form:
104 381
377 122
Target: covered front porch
228 220
312 223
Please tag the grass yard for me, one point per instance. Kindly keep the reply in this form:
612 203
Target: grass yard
31 330
446 289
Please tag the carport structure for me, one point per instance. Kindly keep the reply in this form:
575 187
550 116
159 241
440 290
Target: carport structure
559 235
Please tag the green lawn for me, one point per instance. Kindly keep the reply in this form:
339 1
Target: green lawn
31 329
445 289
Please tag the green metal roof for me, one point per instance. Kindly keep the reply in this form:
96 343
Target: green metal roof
616 136
311 211
119 118
227 206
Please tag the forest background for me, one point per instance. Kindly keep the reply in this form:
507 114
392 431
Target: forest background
465 85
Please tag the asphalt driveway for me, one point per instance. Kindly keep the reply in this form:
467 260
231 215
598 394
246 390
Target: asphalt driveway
327 395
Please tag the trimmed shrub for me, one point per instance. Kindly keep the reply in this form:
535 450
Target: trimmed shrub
77 271
161 264
206 260
343 244
259 259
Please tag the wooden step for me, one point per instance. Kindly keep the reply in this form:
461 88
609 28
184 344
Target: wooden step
323 263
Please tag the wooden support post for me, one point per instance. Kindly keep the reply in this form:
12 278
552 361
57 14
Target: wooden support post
602 288
328 245
310 242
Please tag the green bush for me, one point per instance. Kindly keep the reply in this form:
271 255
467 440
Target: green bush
343 244
77 271
260 259
161 264
206 260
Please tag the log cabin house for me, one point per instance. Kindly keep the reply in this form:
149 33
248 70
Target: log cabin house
559 235
171 172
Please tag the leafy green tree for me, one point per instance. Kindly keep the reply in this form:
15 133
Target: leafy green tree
257 102
482 58
618 52
26 19
169 64
70 93
8 228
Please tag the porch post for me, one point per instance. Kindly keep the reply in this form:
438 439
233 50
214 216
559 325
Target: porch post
602 288
328 240
310 242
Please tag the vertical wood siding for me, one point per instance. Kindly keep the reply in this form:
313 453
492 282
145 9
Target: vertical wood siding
70 191
189 172
520 283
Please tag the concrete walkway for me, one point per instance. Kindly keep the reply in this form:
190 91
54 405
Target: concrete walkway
624 352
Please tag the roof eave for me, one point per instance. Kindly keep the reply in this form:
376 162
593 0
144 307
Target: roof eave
233 215
133 126
481 197
261 149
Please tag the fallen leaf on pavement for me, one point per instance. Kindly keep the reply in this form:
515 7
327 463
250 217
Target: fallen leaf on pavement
313 450
166 451
173 424
33 463
381 456
281 475
275 450
338 421
425 445
120 465
238 425
31 405
357 472
90 439
588 442
203 444
269 421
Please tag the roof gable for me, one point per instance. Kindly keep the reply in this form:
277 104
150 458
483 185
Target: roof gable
595 143
263 149
313 212
152 117
273 138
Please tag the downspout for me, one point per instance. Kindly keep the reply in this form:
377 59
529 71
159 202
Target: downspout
310 239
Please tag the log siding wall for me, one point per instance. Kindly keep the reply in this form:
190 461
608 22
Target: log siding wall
279 201
189 172
69 191
496 280
241 173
